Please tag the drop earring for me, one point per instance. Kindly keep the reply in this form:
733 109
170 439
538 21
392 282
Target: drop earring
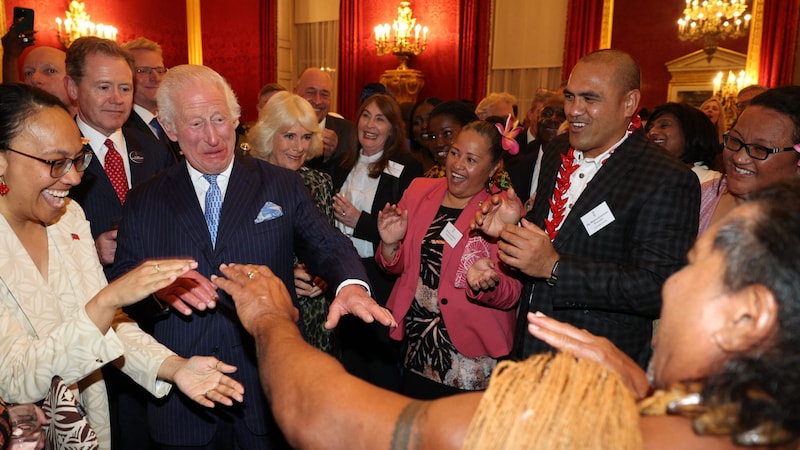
3 186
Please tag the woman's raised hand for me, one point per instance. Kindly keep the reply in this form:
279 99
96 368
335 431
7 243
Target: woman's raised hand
392 224
145 279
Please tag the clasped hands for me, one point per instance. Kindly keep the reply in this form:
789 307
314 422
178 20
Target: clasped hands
526 247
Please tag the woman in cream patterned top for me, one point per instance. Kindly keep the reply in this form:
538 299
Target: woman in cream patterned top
58 315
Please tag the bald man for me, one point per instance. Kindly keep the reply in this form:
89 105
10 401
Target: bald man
600 241
316 86
45 68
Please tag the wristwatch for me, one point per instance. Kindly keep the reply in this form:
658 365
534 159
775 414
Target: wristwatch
553 274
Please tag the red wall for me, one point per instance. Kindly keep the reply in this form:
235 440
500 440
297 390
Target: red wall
642 29
231 46
439 61
132 19
232 43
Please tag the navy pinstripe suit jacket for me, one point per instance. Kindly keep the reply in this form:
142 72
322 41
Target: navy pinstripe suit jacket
163 218
610 283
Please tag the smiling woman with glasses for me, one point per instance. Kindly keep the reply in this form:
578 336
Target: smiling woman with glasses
768 131
59 314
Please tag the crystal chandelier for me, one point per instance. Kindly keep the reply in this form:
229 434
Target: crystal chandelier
76 24
401 44
713 21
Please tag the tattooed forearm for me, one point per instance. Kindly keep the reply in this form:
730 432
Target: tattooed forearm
406 435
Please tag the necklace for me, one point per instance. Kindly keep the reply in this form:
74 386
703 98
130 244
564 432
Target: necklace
558 202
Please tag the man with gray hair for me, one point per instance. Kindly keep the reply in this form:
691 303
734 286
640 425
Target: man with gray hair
148 70
220 207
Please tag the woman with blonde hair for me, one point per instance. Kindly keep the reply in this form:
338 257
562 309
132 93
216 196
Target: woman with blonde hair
716 113
287 134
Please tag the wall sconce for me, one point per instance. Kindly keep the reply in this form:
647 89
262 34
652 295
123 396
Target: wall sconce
76 23
403 82
727 90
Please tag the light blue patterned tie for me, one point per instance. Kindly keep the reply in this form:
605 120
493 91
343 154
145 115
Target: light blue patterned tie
213 206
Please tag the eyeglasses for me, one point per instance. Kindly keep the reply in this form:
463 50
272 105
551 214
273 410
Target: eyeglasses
446 134
144 70
754 151
60 167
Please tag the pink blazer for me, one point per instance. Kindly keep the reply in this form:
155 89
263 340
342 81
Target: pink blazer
478 325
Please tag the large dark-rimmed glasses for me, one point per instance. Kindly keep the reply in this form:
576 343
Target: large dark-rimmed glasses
754 151
60 167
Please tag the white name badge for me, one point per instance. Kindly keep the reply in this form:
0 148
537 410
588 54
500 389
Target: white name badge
451 234
394 169
597 219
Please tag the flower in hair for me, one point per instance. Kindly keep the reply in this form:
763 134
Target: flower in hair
509 134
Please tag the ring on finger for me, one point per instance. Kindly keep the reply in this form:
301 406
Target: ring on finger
158 269
216 366
252 274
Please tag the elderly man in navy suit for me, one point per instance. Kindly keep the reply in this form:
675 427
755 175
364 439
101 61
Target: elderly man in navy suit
613 216
221 207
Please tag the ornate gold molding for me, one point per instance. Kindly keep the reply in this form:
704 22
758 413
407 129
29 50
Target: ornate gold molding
194 31
404 84
608 24
754 43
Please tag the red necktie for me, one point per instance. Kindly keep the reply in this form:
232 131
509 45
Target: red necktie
115 170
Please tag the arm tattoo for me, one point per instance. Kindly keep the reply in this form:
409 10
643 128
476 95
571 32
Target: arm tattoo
405 436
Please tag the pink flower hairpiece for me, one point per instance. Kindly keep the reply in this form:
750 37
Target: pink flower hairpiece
797 149
509 134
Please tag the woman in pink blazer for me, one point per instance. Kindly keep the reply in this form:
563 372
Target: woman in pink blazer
454 300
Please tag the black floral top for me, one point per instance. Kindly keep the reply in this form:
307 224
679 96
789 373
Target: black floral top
314 311
429 351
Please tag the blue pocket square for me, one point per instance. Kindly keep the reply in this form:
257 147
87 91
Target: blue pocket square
268 212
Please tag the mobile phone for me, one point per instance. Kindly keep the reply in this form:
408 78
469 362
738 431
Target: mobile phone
23 19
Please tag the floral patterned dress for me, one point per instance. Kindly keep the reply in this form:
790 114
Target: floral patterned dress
428 351
314 311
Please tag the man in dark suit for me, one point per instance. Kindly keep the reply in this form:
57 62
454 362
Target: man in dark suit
148 70
100 80
612 219
338 134
524 168
219 207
